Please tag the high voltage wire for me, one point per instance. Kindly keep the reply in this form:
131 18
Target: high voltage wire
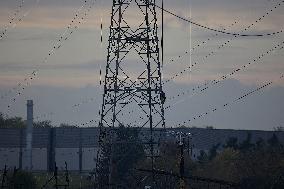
12 19
226 105
64 37
172 60
199 44
55 46
254 61
259 19
216 81
223 106
220 31
179 56
223 77
92 99
219 47
16 18
252 91
204 87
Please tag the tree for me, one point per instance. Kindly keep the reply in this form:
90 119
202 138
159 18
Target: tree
232 142
14 122
260 143
213 151
127 152
279 128
274 141
21 179
210 127
246 144
43 124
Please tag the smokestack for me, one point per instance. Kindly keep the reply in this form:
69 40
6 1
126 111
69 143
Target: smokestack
29 140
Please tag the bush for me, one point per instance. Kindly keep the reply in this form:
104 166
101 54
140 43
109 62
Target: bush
23 180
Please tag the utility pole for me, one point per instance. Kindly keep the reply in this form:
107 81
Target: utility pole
133 84
181 140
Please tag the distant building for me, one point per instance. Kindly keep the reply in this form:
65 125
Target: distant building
78 146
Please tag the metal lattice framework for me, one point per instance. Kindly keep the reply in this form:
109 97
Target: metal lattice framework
133 94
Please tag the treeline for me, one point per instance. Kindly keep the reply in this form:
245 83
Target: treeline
18 122
258 165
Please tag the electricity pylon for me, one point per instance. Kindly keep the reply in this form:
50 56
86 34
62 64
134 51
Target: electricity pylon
133 94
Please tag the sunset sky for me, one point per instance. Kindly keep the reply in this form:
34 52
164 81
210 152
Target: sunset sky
71 74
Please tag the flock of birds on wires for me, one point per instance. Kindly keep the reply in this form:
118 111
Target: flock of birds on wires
81 14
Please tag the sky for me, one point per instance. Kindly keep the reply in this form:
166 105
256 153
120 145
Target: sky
70 75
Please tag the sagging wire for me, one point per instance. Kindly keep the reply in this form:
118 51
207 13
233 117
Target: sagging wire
220 46
199 45
220 31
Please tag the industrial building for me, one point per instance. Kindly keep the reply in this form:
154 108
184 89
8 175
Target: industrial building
78 146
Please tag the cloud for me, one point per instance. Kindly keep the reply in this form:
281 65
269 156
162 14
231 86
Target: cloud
62 80
17 66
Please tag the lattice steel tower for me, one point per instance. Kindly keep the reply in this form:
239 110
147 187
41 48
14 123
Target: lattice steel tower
133 94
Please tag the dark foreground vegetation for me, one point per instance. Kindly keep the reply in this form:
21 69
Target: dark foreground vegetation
25 180
243 164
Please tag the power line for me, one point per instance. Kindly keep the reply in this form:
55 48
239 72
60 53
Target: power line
86 101
226 105
54 47
204 87
220 31
12 19
198 45
64 37
220 46
222 78
16 18
183 92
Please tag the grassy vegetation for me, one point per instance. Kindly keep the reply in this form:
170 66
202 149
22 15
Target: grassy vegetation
25 180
